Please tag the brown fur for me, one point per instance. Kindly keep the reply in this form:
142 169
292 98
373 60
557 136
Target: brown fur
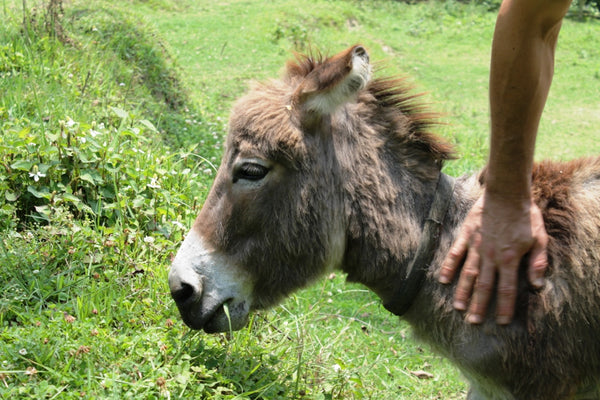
368 170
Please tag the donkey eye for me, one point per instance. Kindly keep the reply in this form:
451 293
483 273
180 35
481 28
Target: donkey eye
250 171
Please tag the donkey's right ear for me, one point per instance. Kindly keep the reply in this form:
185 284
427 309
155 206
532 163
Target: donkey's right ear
334 82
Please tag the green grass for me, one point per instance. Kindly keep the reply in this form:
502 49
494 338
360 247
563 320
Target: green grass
122 126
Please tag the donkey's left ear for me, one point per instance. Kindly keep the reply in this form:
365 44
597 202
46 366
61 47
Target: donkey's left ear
334 82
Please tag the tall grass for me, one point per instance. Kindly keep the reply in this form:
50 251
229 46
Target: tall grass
109 138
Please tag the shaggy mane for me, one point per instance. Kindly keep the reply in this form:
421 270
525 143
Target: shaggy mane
392 94
303 64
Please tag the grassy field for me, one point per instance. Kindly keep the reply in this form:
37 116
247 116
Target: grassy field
112 118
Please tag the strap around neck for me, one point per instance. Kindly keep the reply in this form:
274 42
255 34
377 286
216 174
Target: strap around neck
409 287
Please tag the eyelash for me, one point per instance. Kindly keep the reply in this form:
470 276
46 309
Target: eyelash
250 171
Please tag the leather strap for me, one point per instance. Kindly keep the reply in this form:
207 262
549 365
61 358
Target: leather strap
409 287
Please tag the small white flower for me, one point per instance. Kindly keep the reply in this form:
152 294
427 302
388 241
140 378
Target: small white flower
178 224
70 123
121 84
154 183
336 368
94 133
148 239
23 352
36 175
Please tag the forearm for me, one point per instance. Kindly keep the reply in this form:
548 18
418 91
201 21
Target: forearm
521 73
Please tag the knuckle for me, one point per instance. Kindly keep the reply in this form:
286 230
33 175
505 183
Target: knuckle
508 256
447 272
484 287
460 293
506 292
539 264
454 255
476 240
470 273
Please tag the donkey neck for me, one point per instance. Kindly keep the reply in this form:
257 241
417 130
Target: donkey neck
384 236
409 286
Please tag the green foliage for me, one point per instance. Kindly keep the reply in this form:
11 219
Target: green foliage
589 6
76 130
108 174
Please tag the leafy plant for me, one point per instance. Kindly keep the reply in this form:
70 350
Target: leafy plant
103 173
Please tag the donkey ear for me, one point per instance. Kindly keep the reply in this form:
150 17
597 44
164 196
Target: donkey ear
334 82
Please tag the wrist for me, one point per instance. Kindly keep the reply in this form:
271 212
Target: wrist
509 182
513 199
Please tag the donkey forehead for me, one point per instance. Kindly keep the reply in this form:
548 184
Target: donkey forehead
263 122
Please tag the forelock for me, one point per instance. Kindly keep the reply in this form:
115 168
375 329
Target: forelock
263 118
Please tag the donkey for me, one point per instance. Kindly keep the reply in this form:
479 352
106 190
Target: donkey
329 169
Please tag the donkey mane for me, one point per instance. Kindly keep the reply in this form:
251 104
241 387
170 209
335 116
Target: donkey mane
395 100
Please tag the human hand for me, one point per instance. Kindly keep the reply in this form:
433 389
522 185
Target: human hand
495 236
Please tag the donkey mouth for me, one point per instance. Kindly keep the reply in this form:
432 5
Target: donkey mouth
213 323
197 316
222 317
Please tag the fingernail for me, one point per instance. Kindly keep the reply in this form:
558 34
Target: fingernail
443 280
474 319
503 320
460 305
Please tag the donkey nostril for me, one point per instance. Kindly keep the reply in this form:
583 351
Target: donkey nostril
182 293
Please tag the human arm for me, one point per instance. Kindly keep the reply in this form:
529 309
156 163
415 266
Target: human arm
504 224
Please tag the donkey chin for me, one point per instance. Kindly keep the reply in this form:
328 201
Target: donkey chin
217 299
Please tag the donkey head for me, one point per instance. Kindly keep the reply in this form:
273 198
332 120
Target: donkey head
274 219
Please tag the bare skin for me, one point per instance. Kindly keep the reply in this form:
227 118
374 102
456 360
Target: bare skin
504 224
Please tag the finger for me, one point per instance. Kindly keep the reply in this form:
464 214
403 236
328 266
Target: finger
453 258
507 290
466 280
538 262
482 291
